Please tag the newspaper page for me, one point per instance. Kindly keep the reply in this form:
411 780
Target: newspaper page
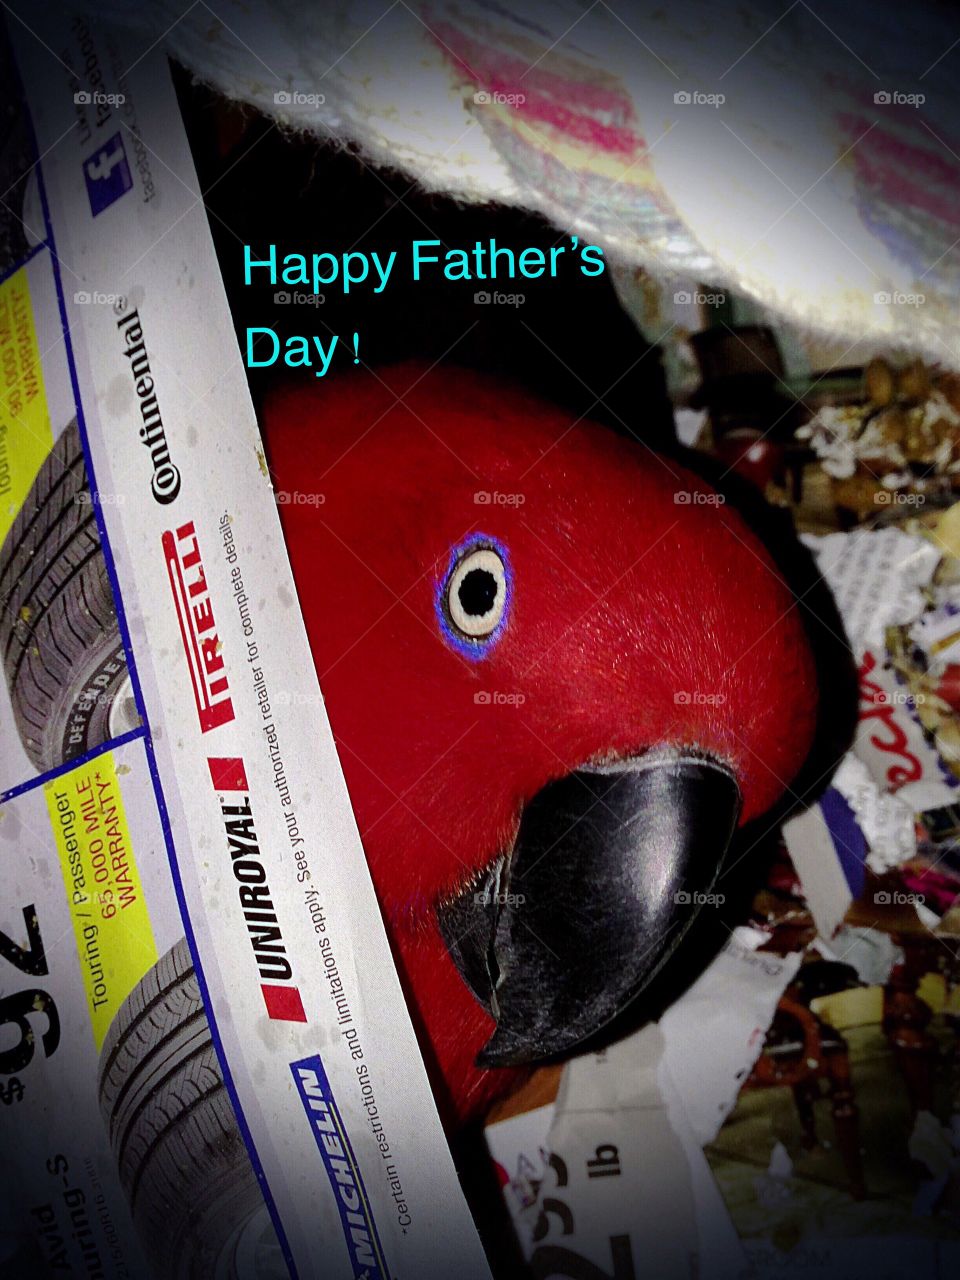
192 958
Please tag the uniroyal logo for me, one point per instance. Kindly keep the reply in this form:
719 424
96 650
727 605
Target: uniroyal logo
229 779
198 631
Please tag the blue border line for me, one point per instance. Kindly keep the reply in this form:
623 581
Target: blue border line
76 762
148 739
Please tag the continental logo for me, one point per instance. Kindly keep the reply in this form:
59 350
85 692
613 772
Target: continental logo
356 1216
165 481
280 995
198 630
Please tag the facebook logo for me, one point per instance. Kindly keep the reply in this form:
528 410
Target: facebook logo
107 174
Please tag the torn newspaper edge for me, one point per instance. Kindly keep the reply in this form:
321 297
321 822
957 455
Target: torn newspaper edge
611 1173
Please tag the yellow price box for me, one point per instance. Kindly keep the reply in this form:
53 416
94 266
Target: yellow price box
25 434
111 923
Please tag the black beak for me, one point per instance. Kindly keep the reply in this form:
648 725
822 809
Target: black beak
608 872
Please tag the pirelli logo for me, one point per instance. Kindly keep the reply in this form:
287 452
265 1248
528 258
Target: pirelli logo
198 630
280 994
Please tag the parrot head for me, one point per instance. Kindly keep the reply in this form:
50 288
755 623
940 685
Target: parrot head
559 671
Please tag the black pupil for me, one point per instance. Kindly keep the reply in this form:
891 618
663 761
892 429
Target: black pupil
477 592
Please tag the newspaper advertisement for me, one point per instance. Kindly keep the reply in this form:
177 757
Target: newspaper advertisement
192 959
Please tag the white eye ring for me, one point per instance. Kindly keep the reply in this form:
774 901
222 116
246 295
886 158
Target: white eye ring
477 593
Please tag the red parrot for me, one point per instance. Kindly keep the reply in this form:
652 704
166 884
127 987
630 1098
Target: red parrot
559 673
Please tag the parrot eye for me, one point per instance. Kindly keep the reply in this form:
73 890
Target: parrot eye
474 596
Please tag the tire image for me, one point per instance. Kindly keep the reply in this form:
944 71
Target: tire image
183 1164
63 657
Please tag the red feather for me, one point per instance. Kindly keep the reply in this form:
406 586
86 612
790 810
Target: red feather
643 613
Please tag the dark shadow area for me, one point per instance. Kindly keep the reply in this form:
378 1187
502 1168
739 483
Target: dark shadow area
569 340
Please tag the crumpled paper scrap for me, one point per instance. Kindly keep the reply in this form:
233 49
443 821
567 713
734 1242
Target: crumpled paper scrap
876 576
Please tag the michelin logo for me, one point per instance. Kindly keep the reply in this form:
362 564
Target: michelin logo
356 1216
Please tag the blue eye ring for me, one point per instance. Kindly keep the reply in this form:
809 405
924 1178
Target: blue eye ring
473 631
